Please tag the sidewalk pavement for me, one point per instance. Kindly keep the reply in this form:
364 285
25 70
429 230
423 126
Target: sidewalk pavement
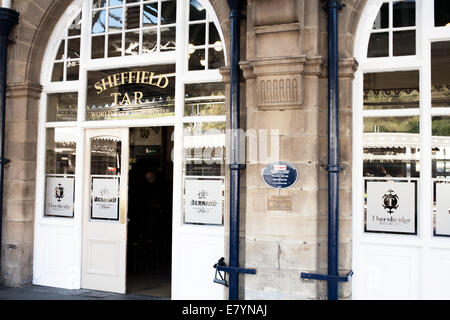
33 292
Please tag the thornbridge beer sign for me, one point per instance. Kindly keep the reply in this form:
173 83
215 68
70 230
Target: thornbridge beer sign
391 207
59 196
130 94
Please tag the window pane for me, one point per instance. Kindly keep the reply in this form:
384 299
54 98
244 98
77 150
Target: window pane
132 43
132 17
404 13
98 3
60 172
98 21
440 74
441 175
149 41
382 19
73 48
150 14
197 34
404 43
196 11
168 12
73 70
378 45
216 59
58 72
60 53
205 99
115 19
98 47
213 34
441 13
62 106
167 39
204 172
115 45
115 2
75 27
391 90
131 93
197 60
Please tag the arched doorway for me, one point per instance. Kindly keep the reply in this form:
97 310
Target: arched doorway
131 90
401 248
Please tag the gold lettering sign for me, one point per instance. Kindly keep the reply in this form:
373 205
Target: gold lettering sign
130 77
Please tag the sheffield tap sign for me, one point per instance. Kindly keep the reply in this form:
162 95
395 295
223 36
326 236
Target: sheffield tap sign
130 77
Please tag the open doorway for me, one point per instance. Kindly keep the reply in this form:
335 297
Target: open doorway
149 241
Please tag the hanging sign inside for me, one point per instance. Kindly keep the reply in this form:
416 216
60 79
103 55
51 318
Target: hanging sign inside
59 196
391 207
105 198
203 201
280 174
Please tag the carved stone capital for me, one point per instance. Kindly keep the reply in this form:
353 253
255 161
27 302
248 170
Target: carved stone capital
29 90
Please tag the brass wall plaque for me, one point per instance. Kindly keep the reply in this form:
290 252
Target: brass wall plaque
280 203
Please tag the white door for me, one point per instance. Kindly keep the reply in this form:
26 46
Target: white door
105 210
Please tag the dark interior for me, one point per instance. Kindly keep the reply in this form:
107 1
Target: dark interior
149 242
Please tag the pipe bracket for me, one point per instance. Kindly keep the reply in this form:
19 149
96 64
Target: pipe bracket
316 276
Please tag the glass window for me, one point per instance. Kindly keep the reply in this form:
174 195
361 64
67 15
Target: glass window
62 106
404 13
440 74
60 172
204 172
404 43
131 93
382 19
441 13
378 45
204 99
391 90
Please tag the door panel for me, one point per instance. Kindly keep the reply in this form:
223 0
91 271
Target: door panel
105 210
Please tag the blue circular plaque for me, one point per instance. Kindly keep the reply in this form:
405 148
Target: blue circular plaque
280 174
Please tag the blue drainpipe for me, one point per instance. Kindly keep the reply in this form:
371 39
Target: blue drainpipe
8 18
333 168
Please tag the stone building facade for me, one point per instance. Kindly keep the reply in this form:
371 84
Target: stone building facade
282 42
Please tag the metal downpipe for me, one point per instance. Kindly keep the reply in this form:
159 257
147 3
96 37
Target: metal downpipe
333 167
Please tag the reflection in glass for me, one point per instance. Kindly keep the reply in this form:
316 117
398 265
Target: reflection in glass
98 21
73 48
115 45
105 156
404 43
62 106
440 154
213 33
168 12
197 60
73 70
197 34
216 59
440 74
391 147
204 149
75 27
150 14
205 99
60 53
404 14
98 47
391 90
441 13
132 43
115 2
115 19
382 19
58 72
132 17
167 39
378 45
98 3
196 11
149 41
60 150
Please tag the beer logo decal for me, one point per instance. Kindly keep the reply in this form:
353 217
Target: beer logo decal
59 192
202 194
390 201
